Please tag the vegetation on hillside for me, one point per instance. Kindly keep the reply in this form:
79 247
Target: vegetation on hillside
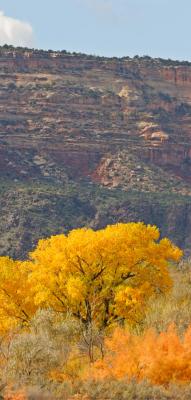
33 210
145 58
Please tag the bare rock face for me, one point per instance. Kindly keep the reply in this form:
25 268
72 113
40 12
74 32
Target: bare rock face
91 134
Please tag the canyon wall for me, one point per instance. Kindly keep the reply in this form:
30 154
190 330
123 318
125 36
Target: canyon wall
92 131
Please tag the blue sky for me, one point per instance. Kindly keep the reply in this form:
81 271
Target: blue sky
159 28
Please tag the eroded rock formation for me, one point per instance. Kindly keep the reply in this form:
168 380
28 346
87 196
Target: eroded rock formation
91 131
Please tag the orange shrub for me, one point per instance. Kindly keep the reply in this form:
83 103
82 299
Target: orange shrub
12 395
160 358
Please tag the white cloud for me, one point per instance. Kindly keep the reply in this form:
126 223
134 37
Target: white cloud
15 32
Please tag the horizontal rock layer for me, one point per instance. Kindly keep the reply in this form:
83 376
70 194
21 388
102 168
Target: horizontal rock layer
78 131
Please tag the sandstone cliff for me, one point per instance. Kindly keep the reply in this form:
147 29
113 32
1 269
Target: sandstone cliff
88 141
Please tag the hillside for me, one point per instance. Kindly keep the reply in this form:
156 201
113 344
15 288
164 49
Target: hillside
86 140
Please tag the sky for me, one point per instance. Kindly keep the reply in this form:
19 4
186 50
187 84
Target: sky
158 28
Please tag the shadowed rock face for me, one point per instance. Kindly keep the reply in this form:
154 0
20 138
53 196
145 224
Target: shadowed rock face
87 141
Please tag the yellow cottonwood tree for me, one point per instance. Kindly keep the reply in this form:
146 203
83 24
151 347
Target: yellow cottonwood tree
102 276
16 301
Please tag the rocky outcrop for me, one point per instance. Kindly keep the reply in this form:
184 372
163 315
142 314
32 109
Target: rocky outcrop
120 125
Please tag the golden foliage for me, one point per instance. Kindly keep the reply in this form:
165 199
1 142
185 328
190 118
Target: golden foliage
104 275
16 300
